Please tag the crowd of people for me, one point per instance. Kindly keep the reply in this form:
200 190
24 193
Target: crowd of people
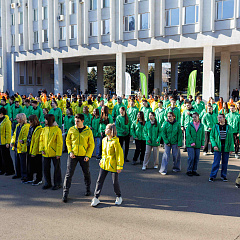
39 129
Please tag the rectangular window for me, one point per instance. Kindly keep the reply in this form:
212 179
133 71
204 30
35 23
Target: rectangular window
224 9
13 19
62 9
72 7
105 3
191 14
129 23
36 37
105 27
45 35
21 82
129 1
73 32
62 33
93 29
30 80
172 17
35 15
39 81
13 40
45 13
93 4
143 21
20 39
20 17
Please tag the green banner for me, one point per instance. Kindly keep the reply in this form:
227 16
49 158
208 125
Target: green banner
144 86
192 84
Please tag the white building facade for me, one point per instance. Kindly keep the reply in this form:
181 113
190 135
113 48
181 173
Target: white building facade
47 43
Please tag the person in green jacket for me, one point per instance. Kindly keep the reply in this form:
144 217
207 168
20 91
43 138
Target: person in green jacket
95 123
36 110
173 109
166 102
123 124
137 131
132 111
221 137
57 112
180 102
194 141
186 118
146 109
116 109
209 120
16 109
225 109
172 137
125 101
199 105
87 116
105 119
27 109
69 121
160 116
233 119
152 131
6 106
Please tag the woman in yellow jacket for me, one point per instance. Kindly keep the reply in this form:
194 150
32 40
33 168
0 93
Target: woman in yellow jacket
6 163
51 144
34 157
112 161
19 144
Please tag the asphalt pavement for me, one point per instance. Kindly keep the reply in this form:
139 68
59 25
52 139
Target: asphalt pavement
174 206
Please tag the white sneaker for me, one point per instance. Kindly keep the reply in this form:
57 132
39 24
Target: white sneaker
236 156
156 167
211 152
118 201
95 202
204 154
163 173
144 168
133 141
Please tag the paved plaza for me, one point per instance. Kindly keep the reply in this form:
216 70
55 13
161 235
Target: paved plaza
174 206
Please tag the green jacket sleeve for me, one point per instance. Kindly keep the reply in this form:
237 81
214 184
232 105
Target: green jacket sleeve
189 138
179 136
203 137
213 136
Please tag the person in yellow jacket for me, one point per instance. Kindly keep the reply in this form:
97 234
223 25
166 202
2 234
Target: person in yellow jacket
112 161
6 163
19 144
34 156
51 144
80 145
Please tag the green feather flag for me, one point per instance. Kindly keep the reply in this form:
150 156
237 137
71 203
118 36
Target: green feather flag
192 84
144 86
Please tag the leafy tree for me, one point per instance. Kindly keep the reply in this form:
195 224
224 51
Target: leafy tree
109 77
92 81
133 70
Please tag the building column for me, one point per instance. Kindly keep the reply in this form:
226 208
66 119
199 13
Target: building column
100 84
120 73
225 75
58 76
208 85
83 75
144 69
174 75
15 73
158 74
234 81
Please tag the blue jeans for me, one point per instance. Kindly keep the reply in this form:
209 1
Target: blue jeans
193 159
216 164
97 140
176 158
21 164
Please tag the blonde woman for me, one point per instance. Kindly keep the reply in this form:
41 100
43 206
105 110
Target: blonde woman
19 144
112 161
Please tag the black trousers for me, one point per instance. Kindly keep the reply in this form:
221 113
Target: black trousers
236 144
101 178
71 165
57 171
34 165
126 140
6 162
207 139
140 148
